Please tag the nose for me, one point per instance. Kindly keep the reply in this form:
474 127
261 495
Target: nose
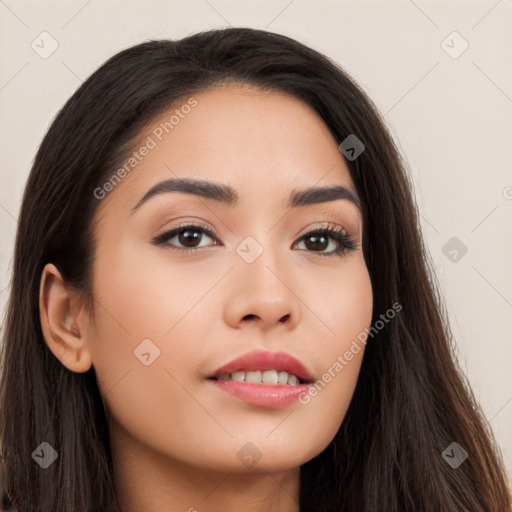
261 294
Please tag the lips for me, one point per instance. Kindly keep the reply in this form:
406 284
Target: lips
263 360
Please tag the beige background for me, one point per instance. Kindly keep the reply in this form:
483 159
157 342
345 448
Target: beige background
452 116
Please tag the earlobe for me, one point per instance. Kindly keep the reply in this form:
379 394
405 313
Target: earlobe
62 321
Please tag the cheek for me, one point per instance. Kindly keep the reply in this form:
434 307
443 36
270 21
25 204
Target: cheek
345 311
144 313
145 291
348 300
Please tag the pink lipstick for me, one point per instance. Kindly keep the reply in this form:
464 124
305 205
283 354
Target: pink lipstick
265 379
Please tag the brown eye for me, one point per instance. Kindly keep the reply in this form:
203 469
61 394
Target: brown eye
189 237
320 240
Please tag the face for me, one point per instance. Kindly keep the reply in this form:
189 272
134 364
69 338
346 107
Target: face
171 309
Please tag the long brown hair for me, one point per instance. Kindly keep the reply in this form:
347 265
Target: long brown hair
411 400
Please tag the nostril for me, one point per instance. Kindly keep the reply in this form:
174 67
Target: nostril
250 317
285 318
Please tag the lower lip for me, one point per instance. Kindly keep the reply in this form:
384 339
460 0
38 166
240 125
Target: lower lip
263 395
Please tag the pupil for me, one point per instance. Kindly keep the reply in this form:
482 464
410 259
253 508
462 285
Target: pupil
316 243
185 237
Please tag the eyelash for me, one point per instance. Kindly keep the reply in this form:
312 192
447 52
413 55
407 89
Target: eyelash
346 243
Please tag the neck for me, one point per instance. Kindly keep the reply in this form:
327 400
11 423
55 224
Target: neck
151 481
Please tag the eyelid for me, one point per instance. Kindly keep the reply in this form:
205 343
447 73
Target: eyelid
346 242
160 239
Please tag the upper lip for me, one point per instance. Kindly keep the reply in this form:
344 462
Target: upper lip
263 360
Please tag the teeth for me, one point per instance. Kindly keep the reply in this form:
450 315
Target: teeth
270 377
239 376
254 377
292 380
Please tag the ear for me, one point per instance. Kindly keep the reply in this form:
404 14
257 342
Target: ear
63 321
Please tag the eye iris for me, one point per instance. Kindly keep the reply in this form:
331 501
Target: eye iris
187 236
319 242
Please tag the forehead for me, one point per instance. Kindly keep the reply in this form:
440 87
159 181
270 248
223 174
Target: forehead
261 143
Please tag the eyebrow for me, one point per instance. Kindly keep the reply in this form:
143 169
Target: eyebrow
227 195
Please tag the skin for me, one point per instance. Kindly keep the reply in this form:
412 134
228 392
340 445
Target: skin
175 436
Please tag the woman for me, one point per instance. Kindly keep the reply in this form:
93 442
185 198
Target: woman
221 300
